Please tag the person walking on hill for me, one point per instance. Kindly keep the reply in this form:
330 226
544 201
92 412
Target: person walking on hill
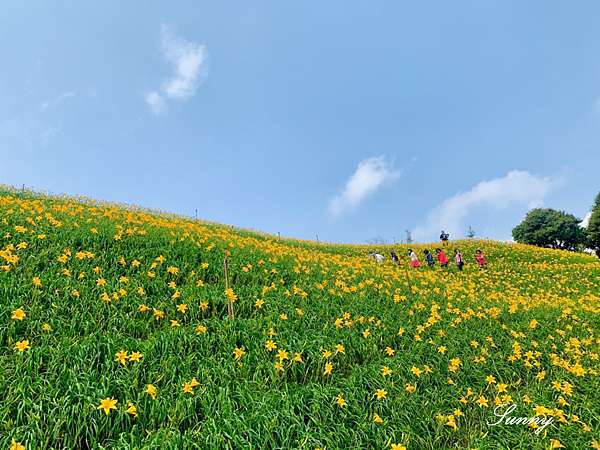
428 258
480 257
459 259
444 237
441 256
414 259
377 257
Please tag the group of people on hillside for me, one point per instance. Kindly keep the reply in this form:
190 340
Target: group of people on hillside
440 256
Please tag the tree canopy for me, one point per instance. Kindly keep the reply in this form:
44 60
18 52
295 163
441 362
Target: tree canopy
547 227
593 228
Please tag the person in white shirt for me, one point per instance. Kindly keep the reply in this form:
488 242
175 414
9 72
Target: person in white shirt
377 257
414 259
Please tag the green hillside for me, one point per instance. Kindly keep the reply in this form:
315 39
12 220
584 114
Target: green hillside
122 328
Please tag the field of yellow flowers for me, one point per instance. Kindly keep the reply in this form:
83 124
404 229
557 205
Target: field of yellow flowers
123 328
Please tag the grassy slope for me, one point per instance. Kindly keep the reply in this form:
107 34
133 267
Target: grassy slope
329 294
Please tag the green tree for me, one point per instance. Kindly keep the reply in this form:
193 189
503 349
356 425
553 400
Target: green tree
546 227
593 228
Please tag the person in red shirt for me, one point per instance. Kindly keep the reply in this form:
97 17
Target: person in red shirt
480 257
441 256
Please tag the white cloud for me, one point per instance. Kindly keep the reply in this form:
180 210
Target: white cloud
370 175
156 102
517 188
188 60
586 220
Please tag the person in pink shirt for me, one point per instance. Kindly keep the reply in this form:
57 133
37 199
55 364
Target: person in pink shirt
441 256
414 259
459 259
480 257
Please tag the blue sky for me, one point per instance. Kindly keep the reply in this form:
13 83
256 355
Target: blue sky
350 120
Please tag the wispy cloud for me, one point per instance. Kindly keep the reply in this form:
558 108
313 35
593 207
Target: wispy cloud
57 100
188 60
156 102
370 175
48 134
517 188
27 132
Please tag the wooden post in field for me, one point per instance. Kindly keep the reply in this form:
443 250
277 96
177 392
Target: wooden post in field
229 302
